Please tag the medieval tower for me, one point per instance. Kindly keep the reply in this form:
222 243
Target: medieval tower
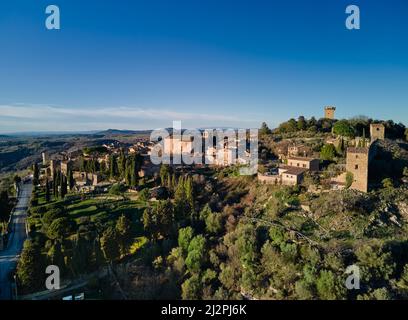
377 131
357 165
329 112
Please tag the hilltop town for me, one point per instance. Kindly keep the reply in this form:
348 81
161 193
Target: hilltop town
327 193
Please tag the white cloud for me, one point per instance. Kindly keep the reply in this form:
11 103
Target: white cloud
45 117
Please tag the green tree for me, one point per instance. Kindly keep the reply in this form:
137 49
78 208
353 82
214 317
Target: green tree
158 220
196 254
71 181
328 286
405 172
81 257
375 263
349 179
36 174
264 130
328 152
47 191
301 123
179 200
213 222
60 228
387 183
184 238
64 186
144 195
344 129
30 268
113 167
191 288
56 256
124 232
164 173
50 216
188 190
122 164
110 245
98 256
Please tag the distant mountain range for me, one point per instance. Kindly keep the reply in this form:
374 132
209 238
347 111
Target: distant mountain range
117 131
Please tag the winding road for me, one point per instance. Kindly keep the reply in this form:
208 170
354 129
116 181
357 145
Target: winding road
9 256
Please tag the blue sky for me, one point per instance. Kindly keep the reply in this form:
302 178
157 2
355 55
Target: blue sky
142 64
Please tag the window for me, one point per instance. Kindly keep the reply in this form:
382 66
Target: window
304 166
298 164
356 167
356 156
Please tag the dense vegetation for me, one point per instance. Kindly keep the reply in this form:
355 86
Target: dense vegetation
201 233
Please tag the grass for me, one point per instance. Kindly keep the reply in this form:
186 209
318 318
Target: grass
97 208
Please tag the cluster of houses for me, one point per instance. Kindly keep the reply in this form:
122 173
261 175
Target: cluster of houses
297 159
84 182
219 153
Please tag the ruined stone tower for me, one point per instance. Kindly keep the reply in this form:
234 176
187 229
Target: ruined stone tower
329 112
377 131
357 164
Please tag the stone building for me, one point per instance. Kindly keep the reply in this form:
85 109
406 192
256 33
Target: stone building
66 165
329 112
311 164
299 150
45 158
377 131
288 176
291 176
84 178
177 146
357 163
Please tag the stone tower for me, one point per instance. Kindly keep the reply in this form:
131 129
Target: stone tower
357 163
45 158
377 131
66 166
329 112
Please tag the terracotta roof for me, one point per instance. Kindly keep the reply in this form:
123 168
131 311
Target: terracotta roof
294 171
301 158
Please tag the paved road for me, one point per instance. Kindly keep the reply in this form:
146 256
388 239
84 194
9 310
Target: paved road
9 256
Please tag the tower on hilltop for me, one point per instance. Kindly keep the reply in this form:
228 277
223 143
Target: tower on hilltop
329 112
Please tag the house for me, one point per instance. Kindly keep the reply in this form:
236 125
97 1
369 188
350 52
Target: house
292 176
288 176
86 179
311 164
177 146
299 150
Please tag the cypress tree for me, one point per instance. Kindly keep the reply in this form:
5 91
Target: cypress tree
36 174
63 186
47 191
134 172
71 181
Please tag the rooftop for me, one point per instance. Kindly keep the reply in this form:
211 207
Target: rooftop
293 170
301 158
358 150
